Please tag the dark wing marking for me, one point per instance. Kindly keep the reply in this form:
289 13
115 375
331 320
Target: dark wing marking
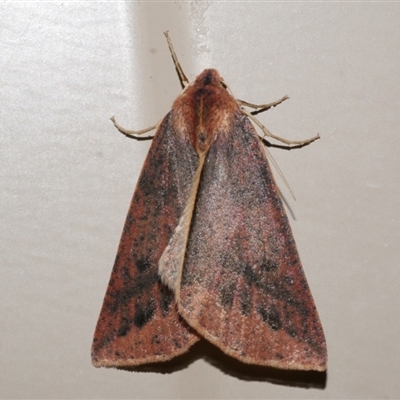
139 322
242 285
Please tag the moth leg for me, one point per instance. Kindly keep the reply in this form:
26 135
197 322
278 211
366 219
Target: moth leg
269 134
259 108
132 133
182 77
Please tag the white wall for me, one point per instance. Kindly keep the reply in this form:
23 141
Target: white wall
67 178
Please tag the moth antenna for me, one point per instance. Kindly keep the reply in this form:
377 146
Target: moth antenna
130 132
259 108
283 140
182 77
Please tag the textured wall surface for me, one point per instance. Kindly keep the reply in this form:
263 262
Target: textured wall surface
67 177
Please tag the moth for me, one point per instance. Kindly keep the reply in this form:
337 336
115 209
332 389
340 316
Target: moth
207 250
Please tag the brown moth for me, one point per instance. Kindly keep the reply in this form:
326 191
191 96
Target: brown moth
207 250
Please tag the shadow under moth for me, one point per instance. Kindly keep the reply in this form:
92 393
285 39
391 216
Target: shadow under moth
207 250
